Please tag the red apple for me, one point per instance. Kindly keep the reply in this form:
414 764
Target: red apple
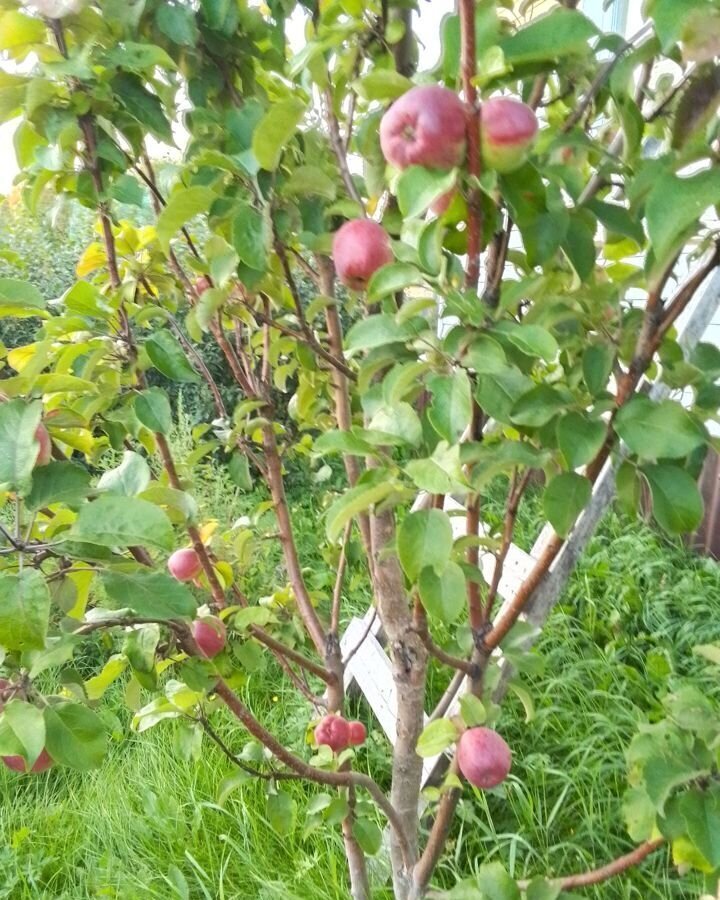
210 635
358 733
360 248
45 452
441 205
424 127
333 731
507 130
18 764
483 757
202 284
184 564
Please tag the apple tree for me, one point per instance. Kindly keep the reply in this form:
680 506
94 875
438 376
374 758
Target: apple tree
433 281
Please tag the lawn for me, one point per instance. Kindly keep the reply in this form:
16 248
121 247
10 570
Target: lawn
149 823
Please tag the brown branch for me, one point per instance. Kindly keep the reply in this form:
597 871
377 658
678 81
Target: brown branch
216 589
337 590
469 70
287 540
311 773
616 867
362 640
517 489
338 147
435 846
447 659
679 302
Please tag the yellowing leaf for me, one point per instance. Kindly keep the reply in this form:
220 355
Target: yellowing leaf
92 259
208 530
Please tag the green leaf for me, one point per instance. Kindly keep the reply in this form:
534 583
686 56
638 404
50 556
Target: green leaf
440 474
143 106
497 393
436 737
96 686
658 430
308 181
58 482
701 811
368 835
168 357
231 783
639 813
540 889
451 409
629 488
382 84
26 725
274 131
495 883
152 408
352 502
251 237
418 187
618 220
19 298
472 710
490 460
152 595
597 365
580 438
392 278
564 499
130 478
377 331
177 22
17 30
24 610
399 421
424 538
127 189
136 57
75 736
677 502
675 204
443 596
281 811
538 406
239 469
342 442
112 521
551 37
183 204
529 339
18 448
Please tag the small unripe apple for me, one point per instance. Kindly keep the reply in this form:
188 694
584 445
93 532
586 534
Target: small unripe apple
424 127
483 757
333 731
360 248
507 130
202 284
18 764
441 205
184 564
45 452
210 635
358 733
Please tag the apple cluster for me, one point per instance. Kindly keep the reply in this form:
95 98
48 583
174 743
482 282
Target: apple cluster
427 126
339 734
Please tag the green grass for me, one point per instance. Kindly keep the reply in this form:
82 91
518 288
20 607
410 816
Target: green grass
148 825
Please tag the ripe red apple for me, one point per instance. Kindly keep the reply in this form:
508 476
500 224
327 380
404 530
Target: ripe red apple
507 130
202 284
424 127
18 764
358 733
210 635
360 248
45 452
484 757
333 731
184 564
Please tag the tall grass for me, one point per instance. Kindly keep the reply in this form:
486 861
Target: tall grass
148 824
